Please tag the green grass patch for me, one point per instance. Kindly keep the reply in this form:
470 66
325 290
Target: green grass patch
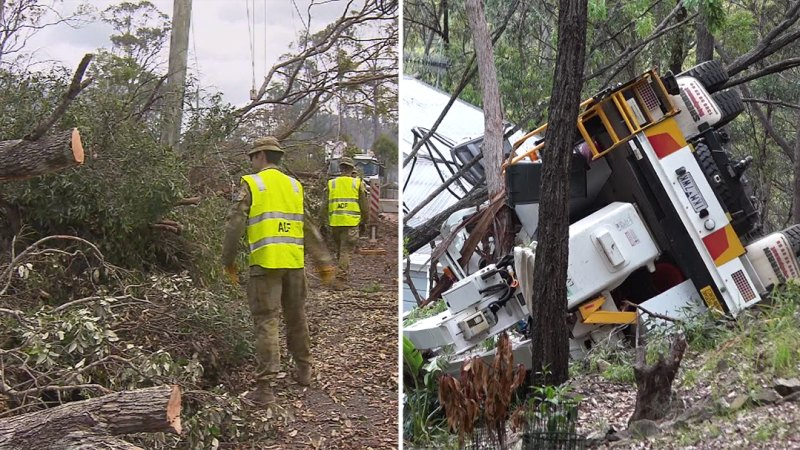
372 287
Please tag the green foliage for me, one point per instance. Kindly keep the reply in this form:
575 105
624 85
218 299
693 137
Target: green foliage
386 149
613 360
141 28
412 359
712 10
645 25
553 409
423 418
372 287
598 10
417 314
129 180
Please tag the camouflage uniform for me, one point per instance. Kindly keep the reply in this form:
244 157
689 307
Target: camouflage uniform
270 290
345 239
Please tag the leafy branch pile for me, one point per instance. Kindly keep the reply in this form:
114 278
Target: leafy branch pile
119 332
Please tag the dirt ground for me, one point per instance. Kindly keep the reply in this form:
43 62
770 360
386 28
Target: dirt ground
352 403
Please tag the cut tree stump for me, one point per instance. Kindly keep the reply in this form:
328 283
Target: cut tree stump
94 423
21 159
654 382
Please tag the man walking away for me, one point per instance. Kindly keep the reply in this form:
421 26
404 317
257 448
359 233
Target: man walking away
269 206
347 199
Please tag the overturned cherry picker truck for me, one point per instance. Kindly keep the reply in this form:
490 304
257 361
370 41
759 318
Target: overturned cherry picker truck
660 216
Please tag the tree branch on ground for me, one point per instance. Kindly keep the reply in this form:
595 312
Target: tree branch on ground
148 410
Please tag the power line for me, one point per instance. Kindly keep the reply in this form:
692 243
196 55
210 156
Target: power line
250 35
196 62
264 72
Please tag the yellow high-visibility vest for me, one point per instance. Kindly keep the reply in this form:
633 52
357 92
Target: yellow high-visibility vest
275 222
343 209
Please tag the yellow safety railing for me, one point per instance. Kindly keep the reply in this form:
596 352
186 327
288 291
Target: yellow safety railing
615 103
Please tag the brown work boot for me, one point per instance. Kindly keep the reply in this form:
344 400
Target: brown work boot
303 374
338 285
260 396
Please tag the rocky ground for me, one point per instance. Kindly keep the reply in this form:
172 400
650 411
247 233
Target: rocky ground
352 403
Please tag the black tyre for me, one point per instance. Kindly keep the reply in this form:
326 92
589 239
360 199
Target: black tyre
710 74
793 235
730 104
713 174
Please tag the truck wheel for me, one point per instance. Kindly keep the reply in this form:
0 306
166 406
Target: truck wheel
710 74
730 105
793 235
713 174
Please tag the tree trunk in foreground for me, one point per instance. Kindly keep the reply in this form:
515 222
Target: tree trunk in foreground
94 423
24 159
549 333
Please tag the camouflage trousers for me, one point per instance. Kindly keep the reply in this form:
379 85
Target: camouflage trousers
344 241
267 294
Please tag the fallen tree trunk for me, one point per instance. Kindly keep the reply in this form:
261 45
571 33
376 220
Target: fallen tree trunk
426 232
94 423
654 382
21 158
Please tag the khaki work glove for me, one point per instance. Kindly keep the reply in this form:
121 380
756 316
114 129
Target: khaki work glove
232 273
326 273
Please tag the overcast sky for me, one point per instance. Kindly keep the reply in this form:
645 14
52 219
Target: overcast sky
219 44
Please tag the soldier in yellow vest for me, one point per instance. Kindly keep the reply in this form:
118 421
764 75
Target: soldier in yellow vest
269 206
347 204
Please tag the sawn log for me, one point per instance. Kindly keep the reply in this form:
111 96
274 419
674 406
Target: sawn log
95 423
20 158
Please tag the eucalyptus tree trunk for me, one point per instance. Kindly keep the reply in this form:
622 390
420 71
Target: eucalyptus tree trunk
549 331
492 118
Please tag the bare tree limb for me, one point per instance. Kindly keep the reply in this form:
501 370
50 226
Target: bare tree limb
16 260
75 87
772 68
631 52
190 201
770 43
771 102
439 189
785 146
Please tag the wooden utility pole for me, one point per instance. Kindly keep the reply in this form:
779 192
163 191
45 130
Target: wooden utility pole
176 76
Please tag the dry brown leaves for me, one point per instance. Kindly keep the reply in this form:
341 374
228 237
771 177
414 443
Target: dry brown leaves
352 403
483 394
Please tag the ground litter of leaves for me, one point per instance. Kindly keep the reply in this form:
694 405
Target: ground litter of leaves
691 422
352 402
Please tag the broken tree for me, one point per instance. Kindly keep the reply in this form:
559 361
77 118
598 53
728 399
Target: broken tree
95 423
654 382
37 154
